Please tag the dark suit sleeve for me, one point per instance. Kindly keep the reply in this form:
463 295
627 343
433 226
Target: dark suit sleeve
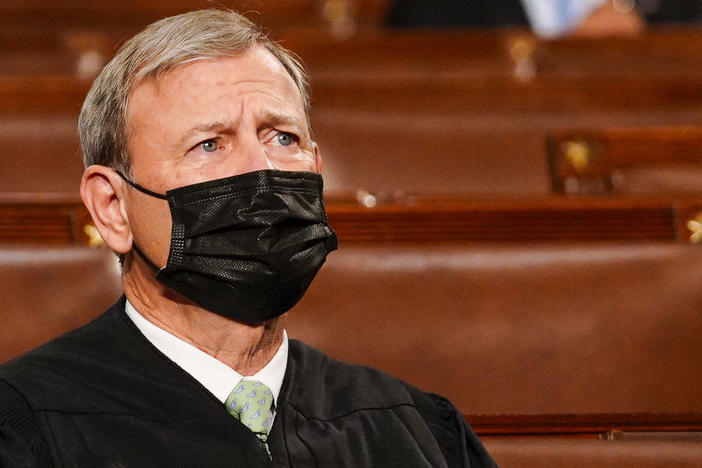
457 441
21 442
455 13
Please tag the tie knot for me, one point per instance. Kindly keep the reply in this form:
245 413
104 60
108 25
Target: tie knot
251 402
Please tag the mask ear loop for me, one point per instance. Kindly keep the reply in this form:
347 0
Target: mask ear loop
144 257
153 194
140 188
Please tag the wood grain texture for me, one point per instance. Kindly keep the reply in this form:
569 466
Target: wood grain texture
58 219
592 425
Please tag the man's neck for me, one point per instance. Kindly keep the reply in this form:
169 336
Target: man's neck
243 347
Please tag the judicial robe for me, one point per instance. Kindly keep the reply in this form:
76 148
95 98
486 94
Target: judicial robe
104 396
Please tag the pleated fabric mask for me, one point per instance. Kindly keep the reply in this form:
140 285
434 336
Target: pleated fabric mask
246 247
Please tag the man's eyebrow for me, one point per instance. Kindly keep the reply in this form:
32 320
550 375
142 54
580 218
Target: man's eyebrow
299 124
280 118
272 118
207 127
212 127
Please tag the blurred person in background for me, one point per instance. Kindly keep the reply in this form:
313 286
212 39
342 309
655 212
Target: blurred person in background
547 18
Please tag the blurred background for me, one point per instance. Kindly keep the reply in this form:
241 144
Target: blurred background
516 185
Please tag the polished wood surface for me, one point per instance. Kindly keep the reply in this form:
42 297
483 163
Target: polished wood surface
50 289
593 160
598 330
508 220
60 218
45 219
600 426
44 93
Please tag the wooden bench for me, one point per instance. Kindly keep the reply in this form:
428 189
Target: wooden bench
71 14
40 154
619 315
659 66
413 113
604 328
57 218
599 338
632 450
434 151
48 290
626 160
418 93
45 94
577 355
385 154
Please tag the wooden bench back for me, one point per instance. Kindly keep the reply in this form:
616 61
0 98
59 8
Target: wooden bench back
49 290
531 329
625 160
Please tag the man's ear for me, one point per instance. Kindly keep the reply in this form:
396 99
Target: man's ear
317 158
102 194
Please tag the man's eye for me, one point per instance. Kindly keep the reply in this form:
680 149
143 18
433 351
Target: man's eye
209 146
284 139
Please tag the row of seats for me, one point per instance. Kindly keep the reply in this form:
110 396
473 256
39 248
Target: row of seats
524 333
513 54
412 117
563 327
391 155
20 15
48 290
45 218
538 329
598 329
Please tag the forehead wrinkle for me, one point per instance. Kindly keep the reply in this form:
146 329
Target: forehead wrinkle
214 126
275 117
274 109
272 84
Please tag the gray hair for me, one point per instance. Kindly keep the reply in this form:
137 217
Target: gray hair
162 46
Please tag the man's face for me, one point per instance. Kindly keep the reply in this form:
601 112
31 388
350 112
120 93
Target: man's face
207 120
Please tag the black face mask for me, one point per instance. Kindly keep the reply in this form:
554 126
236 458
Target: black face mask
246 247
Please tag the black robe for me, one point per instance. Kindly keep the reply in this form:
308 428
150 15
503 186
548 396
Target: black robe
104 396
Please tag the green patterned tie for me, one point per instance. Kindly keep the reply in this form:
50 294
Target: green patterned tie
251 402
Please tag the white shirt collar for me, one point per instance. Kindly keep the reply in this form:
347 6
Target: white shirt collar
213 374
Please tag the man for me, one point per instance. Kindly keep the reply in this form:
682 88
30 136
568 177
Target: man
202 175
